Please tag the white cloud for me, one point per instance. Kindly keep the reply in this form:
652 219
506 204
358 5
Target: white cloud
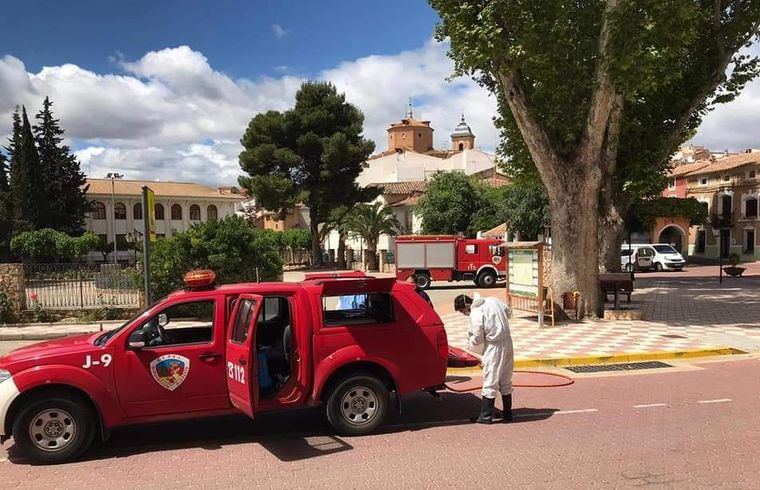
279 31
170 115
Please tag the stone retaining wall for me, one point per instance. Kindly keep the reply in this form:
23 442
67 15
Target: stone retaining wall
12 284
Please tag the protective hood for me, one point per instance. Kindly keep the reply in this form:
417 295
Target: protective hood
477 300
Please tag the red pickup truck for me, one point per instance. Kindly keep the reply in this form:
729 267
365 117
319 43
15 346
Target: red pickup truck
344 342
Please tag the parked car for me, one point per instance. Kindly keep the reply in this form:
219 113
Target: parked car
662 255
631 259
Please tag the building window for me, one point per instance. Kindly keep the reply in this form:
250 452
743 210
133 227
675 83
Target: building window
176 212
751 174
703 181
749 241
461 146
672 184
726 204
98 210
158 210
726 178
160 236
103 240
701 241
120 211
212 212
121 241
137 211
750 210
195 213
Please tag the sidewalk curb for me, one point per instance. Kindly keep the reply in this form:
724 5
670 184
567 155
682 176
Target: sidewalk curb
615 358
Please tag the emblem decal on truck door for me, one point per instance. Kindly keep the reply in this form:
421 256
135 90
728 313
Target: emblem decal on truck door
170 371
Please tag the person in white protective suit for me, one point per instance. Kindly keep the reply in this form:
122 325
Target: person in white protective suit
489 328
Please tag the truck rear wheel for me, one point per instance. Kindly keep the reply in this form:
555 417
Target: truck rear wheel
422 280
54 429
358 405
487 279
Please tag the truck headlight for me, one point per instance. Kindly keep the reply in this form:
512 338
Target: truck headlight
4 375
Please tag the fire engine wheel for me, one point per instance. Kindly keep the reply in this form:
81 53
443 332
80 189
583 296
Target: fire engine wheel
358 405
487 279
422 280
54 430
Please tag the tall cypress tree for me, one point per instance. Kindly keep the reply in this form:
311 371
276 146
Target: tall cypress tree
5 211
64 182
25 175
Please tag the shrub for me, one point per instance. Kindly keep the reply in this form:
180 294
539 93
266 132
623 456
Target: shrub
48 245
234 250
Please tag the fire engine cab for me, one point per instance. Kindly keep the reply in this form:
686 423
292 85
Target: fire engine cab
429 258
346 342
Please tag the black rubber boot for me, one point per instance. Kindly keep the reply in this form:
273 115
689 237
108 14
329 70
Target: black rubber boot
486 411
506 401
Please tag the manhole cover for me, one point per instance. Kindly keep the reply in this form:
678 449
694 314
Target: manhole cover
673 336
623 366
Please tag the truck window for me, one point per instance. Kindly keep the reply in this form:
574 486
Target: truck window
242 321
496 250
183 323
358 309
471 249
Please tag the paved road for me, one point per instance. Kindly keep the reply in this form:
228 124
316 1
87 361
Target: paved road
7 346
684 428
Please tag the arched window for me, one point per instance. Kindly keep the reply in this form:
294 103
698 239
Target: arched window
137 211
176 212
98 210
158 210
461 146
195 212
211 212
120 211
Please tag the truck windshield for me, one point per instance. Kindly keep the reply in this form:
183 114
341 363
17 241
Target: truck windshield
104 338
665 249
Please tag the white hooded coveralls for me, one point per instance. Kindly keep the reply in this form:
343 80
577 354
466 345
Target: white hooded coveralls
489 326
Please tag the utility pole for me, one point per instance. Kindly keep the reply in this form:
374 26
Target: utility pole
113 176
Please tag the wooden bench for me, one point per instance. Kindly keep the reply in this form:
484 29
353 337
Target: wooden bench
616 284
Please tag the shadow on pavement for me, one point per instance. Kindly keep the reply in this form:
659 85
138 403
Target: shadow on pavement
290 435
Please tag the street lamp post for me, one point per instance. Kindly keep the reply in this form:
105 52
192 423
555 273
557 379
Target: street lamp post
114 177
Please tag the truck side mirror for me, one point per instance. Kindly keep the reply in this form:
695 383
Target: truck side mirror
137 339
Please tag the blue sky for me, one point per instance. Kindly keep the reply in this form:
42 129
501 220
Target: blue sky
237 35
164 89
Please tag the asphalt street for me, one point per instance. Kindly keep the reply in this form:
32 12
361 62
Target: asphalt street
690 426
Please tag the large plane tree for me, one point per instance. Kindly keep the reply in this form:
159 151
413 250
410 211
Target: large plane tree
594 96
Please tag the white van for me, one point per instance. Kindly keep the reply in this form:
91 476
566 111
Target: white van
664 256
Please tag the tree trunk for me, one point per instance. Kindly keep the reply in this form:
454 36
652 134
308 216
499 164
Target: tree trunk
575 222
341 251
316 245
372 257
611 235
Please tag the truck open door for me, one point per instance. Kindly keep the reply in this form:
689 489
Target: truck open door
242 361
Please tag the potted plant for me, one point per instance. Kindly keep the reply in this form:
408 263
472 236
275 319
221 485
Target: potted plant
734 270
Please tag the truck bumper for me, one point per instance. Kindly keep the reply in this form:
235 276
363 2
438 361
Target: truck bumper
8 393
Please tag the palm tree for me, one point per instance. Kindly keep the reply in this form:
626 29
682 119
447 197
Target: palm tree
369 221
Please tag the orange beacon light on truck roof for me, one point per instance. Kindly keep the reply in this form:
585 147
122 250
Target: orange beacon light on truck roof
199 278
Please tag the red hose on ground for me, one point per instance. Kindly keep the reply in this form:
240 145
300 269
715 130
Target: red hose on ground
568 381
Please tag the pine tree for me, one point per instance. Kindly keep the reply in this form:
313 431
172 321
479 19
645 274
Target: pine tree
25 175
64 183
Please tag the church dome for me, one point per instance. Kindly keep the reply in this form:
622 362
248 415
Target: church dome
462 129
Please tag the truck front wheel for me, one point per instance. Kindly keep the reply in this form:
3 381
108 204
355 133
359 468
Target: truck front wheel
487 279
54 429
358 405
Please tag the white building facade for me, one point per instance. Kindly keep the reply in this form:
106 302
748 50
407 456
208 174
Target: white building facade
117 213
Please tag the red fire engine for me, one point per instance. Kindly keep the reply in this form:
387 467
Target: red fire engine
342 341
449 258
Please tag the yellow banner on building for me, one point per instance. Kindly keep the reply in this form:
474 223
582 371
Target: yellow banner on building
151 205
